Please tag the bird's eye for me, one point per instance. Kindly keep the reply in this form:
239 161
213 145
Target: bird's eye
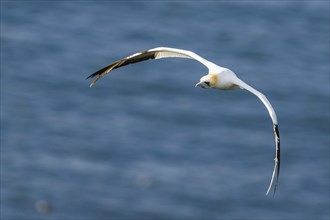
207 83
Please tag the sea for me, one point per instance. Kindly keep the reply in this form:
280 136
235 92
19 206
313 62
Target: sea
143 142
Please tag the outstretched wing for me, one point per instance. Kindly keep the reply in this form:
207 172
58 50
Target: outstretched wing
272 114
155 53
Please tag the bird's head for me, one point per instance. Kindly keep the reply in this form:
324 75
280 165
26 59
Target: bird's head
208 81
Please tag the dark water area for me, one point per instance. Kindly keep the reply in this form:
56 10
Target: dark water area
144 143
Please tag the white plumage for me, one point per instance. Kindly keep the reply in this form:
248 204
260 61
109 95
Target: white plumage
218 77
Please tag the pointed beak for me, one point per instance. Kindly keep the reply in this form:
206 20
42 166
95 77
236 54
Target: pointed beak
200 84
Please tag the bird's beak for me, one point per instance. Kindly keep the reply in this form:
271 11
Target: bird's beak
200 84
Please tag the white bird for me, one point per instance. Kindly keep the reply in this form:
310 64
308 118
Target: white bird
218 77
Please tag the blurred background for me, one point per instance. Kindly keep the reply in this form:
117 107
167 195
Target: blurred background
143 143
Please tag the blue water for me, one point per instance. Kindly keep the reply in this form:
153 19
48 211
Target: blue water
144 143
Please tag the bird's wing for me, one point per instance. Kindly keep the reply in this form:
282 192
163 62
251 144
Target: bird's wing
272 114
155 53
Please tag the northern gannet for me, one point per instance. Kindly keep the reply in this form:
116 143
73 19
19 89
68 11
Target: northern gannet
218 77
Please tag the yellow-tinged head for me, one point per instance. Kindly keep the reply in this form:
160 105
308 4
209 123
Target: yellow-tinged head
208 81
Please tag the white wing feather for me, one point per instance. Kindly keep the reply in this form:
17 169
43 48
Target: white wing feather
272 114
166 52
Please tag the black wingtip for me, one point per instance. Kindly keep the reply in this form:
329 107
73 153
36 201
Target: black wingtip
99 72
137 57
276 170
278 150
278 155
276 131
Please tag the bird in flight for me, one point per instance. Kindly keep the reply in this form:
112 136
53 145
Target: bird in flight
218 77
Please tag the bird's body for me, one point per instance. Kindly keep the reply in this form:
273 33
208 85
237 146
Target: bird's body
225 79
218 77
